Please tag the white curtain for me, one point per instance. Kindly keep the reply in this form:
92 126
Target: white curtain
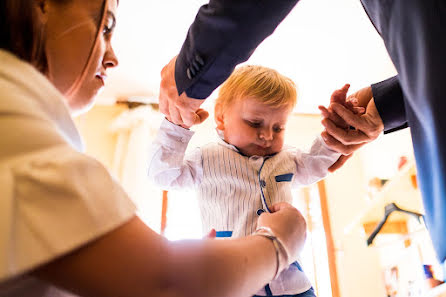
135 130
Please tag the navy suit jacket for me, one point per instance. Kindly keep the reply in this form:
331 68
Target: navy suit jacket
226 32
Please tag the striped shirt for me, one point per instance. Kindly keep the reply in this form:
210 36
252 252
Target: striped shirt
233 188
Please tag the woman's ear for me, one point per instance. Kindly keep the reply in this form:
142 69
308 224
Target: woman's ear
42 10
219 117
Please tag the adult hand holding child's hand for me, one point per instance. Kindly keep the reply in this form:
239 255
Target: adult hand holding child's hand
179 109
358 111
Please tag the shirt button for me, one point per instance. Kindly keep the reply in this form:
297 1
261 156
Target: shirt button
262 183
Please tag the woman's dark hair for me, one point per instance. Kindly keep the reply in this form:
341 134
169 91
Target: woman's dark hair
19 32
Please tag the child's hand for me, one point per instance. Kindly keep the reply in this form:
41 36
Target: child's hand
211 235
340 97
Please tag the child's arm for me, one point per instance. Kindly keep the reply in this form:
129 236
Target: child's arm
313 166
169 168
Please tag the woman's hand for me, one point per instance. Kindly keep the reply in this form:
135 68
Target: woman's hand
288 225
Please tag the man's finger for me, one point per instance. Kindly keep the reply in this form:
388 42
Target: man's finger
202 115
167 86
163 105
163 98
188 108
350 118
338 146
333 117
339 163
347 137
358 110
352 101
175 116
324 111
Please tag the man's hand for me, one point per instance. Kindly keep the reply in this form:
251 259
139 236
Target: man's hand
350 102
367 126
180 110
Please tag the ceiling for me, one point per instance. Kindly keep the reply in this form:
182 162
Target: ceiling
321 45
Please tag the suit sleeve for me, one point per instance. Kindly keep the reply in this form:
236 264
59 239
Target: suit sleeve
224 34
389 100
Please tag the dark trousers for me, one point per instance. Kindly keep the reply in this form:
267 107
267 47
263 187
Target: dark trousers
414 32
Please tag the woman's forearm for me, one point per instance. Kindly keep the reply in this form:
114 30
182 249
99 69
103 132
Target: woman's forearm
135 261
237 267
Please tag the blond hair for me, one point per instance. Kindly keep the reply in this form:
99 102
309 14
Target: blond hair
262 83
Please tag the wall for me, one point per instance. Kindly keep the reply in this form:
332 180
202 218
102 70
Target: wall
94 126
101 142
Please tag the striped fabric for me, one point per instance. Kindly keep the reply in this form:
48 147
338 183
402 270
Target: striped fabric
234 187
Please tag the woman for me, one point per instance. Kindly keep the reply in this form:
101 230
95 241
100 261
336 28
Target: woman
66 227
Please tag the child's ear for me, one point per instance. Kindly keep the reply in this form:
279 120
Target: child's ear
219 117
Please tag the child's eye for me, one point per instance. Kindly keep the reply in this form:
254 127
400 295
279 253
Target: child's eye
278 129
255 124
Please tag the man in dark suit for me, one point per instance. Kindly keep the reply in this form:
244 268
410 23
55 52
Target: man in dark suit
226 33
414 33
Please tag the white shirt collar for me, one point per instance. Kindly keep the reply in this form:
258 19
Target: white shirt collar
221 141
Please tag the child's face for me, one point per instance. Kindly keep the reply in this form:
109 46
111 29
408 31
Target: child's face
254 127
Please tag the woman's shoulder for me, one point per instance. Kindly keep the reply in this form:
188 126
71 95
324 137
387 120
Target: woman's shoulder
33 114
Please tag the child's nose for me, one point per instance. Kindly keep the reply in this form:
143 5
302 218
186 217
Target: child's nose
266 134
